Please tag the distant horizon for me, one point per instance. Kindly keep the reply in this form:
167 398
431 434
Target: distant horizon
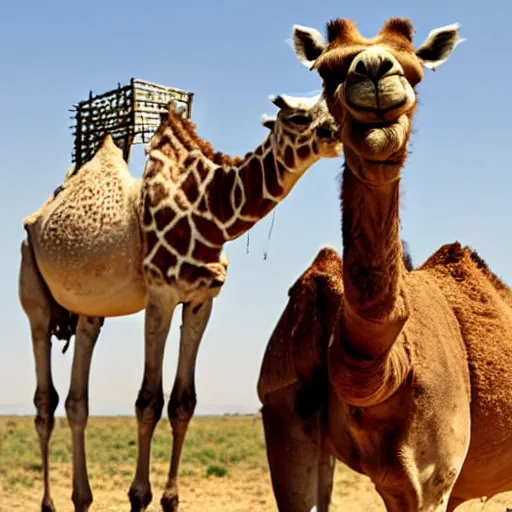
123 410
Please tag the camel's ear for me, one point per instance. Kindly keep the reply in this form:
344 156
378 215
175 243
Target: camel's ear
439 45
268 121
308 44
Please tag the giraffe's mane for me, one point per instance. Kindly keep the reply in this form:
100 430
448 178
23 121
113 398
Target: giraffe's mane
185 131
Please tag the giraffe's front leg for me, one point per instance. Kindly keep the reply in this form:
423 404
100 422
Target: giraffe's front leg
150 401
77 407
183 397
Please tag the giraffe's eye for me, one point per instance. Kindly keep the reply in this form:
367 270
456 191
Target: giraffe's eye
324 132
300 119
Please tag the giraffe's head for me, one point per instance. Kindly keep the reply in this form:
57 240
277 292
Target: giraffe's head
304 125
369 83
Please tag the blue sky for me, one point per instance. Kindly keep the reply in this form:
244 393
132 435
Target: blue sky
233 54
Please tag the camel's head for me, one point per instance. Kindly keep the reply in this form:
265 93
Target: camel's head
304 125
369 84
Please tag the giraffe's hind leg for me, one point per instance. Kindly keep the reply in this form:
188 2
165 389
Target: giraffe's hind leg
37 303
183 397
150 400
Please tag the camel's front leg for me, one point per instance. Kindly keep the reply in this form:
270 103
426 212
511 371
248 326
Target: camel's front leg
301 473
77 407
150 401
183 397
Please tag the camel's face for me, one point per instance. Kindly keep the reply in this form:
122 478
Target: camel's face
369 84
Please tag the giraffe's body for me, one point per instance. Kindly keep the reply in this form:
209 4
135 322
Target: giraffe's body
107 244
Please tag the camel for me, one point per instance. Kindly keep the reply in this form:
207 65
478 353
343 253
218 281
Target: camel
402 375
106 244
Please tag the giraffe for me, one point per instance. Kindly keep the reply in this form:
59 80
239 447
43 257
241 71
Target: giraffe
187 217
97 248
402 375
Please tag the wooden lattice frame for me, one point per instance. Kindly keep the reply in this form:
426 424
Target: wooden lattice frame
131 114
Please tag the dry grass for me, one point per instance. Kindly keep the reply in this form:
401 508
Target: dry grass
224 468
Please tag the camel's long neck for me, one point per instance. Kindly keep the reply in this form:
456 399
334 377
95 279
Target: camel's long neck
238 197
373 268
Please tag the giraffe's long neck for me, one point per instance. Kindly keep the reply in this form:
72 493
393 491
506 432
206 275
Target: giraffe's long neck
194 200
373 268
239 196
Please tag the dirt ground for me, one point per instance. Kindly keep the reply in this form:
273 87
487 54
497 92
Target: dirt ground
224 468
242 491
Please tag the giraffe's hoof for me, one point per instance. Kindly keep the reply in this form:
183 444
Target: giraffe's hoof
169 501
82 499
48 506
140 497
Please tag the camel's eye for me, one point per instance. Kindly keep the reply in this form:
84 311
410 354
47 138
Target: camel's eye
334 70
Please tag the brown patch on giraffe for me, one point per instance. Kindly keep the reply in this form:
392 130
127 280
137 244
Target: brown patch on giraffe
205 253
218 189
271 179
147 218
208 230
289 157
252 179
190 187
164 260
303 152
314 147
151 239
164 217
239 227
179 237
201 169
157 193
190 161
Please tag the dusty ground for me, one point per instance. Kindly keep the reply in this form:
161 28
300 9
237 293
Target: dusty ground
230 445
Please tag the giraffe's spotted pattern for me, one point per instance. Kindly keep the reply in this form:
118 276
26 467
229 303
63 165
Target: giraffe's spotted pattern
191 206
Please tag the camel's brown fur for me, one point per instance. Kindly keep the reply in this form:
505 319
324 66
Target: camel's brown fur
294 388
403 375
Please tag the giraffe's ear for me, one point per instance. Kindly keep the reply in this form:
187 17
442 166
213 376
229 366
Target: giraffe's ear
268 121
439 45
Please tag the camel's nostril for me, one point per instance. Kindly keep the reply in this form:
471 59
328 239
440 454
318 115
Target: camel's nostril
374 67
385 66
361 68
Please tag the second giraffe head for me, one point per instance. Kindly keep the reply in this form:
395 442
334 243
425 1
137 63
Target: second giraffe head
308 127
